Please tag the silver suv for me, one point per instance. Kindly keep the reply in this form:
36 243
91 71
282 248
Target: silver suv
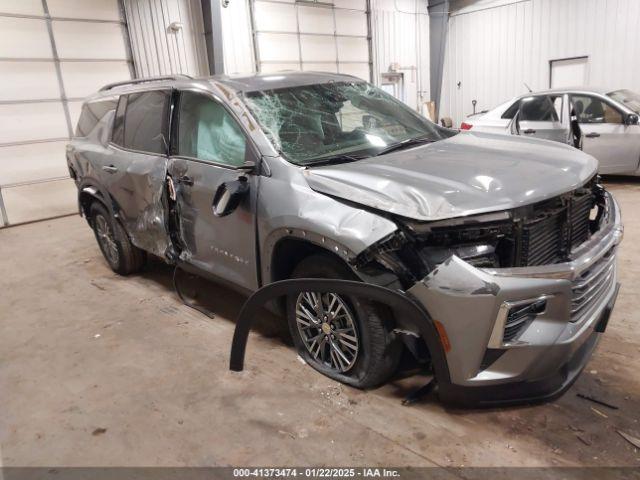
508 244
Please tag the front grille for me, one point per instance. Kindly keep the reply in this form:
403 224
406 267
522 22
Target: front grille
592 285
555 228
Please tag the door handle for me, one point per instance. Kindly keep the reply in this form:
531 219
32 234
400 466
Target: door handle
529 131
110 168
185 180
592 135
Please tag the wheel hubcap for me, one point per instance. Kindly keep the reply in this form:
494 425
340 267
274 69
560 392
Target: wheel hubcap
105 237
328 329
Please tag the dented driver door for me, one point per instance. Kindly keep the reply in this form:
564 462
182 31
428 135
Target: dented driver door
210 150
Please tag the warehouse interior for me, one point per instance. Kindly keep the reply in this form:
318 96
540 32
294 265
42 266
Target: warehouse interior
103 370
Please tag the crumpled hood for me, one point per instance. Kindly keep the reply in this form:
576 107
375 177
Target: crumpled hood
466 174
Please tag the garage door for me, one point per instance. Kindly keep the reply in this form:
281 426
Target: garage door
53 53
312 35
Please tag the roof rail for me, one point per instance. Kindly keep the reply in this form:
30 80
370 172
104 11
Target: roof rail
137 81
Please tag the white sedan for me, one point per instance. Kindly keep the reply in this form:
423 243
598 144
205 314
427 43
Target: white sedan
604 124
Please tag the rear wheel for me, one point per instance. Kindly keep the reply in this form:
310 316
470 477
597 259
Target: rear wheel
121 255
344 337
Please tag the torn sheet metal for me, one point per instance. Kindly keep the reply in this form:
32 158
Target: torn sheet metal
462 175
140 195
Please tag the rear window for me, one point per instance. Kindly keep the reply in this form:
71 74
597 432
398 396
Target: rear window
511 111
91 114
141 122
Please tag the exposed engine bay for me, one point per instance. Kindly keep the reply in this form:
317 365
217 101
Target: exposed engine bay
543 233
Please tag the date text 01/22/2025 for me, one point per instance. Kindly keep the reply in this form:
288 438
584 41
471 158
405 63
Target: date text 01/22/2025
316 472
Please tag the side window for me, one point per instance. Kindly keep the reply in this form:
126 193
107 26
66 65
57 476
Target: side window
593 110
208 132
117 135
511 111
538 109
91 114
146 121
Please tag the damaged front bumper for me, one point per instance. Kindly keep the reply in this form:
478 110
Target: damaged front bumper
522 334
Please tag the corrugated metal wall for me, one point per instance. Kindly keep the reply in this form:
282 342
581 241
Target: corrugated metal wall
158 50
237 38
493 51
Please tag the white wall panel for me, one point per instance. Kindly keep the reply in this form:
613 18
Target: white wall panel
275 17
352 4
84 78
24 37
29 163
22 7
322 67
353 49
360 70
75 107
90 9
318 48
278 67
28 81
33 134
89 40
319 35
31 121
278 47
351 23
316 20
492 52
38 201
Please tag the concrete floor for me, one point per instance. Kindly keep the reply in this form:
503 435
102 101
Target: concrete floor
100 370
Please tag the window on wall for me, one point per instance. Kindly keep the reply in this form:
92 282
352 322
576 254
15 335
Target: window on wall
206 131
593 110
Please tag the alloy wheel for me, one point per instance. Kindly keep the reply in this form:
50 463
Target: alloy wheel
105 237
328 330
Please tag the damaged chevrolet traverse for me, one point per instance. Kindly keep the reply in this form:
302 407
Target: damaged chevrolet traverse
508 244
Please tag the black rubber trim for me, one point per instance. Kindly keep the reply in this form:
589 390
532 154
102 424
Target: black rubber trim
403 306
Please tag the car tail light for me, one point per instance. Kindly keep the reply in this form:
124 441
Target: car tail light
465 126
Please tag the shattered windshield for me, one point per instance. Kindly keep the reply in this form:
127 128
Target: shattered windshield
628 98
313 123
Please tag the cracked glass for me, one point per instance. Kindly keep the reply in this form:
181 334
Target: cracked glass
312 123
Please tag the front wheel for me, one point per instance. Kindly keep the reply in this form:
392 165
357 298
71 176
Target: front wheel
344 337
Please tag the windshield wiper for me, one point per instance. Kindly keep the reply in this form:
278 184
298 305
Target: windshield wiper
409 142
335 159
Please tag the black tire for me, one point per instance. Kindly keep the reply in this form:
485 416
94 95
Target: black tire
122 256
379 349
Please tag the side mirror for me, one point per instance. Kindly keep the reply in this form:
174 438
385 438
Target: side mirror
229 195
631 119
